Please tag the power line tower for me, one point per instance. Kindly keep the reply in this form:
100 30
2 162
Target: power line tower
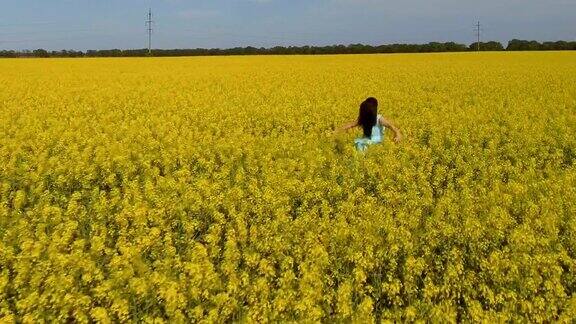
478 31
149 25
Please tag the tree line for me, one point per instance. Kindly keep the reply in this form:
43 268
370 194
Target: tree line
513 45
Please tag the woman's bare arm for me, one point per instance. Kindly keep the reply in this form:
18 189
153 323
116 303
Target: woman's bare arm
395 130
347 126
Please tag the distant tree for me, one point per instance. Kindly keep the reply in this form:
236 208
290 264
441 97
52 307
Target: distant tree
534 46
7 54
513 45
454 47
486 46
558 46
40 53
517 45
523 45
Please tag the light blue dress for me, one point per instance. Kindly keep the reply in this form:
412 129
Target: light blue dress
377 134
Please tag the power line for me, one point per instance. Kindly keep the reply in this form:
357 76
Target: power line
149 24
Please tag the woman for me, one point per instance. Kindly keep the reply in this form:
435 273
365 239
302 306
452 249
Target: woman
372 125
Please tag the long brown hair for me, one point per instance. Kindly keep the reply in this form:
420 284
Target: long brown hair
368 115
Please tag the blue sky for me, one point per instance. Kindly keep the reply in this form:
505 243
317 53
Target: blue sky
102 24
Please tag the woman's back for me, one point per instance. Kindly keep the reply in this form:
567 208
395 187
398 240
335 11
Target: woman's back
375 137
377 131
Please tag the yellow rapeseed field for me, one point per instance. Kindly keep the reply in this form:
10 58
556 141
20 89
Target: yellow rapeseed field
213 189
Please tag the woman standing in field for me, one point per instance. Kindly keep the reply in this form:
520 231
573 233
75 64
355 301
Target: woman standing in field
372 125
